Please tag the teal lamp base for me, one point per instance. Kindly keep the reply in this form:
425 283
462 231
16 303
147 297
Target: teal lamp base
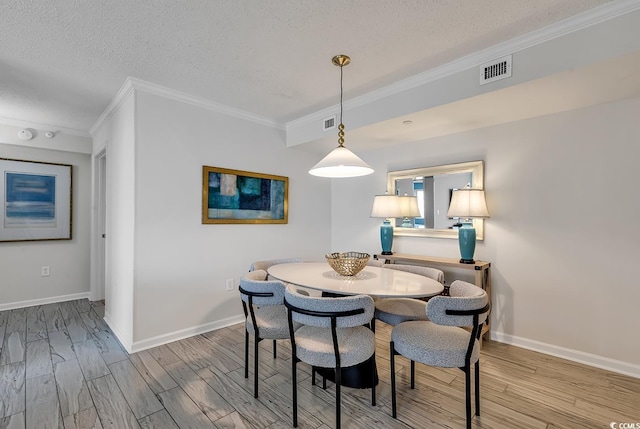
386 237
467 241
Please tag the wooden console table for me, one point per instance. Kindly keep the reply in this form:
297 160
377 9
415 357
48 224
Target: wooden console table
482 273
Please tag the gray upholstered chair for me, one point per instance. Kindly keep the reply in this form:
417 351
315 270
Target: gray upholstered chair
332 335
397 310
266 316
441 341
264 265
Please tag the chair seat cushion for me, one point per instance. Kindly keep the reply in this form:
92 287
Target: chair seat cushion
315 346
272 322
397 310
431 344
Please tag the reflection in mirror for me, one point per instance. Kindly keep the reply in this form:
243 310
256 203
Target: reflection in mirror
433 187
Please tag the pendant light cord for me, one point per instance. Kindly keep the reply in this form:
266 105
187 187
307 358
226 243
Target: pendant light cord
341 126
341 94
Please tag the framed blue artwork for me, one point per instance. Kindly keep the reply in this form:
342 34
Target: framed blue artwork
36 200
234 196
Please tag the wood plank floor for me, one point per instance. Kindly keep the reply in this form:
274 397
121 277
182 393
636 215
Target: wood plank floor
61 367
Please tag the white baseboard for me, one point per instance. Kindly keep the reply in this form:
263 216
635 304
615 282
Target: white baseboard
42 301
117 333
609 364
138 346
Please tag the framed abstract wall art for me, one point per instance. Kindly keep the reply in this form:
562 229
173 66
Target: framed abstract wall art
36 200
234 196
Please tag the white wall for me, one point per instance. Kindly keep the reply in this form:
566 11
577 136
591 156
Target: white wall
179 266
117 136
562 237
20 262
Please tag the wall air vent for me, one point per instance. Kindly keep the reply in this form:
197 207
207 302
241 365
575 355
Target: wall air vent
495 70
329 123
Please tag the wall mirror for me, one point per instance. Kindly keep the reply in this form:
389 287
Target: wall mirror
433 187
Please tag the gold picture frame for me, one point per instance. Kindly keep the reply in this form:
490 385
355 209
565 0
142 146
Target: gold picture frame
244 197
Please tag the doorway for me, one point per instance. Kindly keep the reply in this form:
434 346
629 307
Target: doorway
98 291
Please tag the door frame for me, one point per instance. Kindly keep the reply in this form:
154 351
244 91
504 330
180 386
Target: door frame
99 221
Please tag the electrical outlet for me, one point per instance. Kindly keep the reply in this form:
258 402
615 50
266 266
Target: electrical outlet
44 272
229 284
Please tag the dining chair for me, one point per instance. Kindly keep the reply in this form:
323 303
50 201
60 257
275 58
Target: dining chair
264 265
265 314
442 340
332 335
393 311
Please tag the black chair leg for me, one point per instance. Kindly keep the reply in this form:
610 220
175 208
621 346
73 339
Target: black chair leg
467 386
295 390
324 383
246 354
313 376
274 349
338 383
392 359
413 374
373 325
477 369
255 369
373 382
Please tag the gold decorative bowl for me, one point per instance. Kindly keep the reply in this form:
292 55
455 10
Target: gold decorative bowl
347 263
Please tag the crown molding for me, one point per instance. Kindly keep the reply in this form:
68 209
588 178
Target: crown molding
42 126
575 23
204 103
132 84
125 90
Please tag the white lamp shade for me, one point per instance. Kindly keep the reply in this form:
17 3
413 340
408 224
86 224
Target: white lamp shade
409 206
386 206
468 203
341 162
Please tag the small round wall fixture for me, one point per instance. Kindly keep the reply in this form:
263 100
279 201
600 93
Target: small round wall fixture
49 134
25 134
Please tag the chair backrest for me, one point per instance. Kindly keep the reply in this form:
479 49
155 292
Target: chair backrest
264 265
255 282
301 305
432 273
464 297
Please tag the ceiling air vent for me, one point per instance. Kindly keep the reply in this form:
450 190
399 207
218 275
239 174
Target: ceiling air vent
495 70
329 123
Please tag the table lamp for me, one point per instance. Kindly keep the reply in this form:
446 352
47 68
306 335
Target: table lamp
467 204
386 206
408 208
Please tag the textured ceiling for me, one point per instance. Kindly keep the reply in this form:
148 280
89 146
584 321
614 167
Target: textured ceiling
61 62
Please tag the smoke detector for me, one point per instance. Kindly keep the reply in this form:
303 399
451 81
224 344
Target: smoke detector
25 134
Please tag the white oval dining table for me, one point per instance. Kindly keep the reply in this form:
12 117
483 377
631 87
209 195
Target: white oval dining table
373 281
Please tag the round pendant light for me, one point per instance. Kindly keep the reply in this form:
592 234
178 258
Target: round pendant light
341 162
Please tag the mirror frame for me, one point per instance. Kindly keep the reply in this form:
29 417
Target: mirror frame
476 168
